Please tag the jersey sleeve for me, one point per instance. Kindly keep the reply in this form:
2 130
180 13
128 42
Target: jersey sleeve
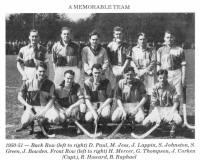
142 90
183 61
80 93
46 56
86 66
174 94
158 56
118 92
87 91
109 91
23 90
20 57
105 60
52 91
54 56
154 98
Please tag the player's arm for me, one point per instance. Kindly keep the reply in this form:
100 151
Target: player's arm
175 98
54 56
20 65
142 102
21 96
183 68
47 58
105 61
86 66
87 100
22 101
79 59
110 94
158 61
50 102
20 68
128 60
144 96
119 102
79 101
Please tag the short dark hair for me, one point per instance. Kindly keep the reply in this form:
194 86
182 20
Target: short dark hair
94 32
41 64
65 28
71 72
128 69
117 28
168 32
161 72
34 30
97 66
141 34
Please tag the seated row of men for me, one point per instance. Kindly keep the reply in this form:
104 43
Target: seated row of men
97 100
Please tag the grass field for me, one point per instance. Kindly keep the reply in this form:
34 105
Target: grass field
13 112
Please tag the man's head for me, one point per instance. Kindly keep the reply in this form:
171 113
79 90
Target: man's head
97 71
41 69
141 39
94 38
162 76
169 38
118 33
65 34
69 77
129 74
34 37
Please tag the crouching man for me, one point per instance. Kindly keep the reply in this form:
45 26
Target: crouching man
69 98
37 96
130 96
165 101
98 95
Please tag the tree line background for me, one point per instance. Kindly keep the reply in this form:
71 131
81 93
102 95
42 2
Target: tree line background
153 24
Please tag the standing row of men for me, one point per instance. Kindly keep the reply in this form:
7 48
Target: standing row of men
89 83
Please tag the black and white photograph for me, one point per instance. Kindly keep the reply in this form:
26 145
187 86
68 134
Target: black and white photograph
100 75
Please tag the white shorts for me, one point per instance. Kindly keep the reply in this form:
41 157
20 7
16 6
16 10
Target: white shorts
30 72
130 110
174 78
53 115
162 113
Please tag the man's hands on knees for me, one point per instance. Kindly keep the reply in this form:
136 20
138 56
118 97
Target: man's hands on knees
68 112
124 114
99 111
96 117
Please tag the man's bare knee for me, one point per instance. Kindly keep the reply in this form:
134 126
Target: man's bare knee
27 118
105 113
139 117
83 108
116 116
88 117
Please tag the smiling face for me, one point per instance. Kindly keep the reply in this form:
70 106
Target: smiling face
41 73
94 41
34 38
118 36
65 35
142 41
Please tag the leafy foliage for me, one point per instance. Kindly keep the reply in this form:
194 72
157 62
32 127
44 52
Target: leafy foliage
154 24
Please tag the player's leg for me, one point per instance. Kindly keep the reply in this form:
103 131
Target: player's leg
117 115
